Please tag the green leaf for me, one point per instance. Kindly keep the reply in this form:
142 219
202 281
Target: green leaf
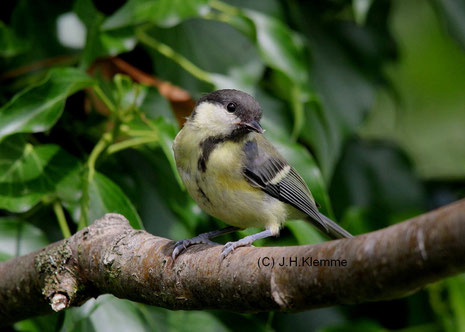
184 321
10 44
155 105
161 121
195 321
447 302
280 47
453 15
37 108
429 77
149 181
39 323
167 132
239 65
106 197
363 324
377 179
128 95
276 116
345 94
18 238
113 314
28 172
101 43
304 232
106 313
36 23
165 13
361 9
456 288
356 220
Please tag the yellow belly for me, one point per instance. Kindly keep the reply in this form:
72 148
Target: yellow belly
223 192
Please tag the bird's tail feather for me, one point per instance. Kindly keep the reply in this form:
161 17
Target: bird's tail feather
331 228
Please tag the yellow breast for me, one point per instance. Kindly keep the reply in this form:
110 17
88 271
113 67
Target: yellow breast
222 190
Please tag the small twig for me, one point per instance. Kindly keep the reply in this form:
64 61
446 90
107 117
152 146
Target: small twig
61 219
103 97
44 63
173 55
130 143
59 302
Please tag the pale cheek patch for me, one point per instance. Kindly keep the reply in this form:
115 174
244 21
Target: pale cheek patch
214 120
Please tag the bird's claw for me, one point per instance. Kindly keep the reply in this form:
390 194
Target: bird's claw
230 246
182 245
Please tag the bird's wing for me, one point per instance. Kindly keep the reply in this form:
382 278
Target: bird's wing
266 169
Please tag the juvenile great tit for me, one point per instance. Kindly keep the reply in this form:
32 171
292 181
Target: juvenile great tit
235 174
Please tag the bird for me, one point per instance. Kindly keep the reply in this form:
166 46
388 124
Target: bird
235 174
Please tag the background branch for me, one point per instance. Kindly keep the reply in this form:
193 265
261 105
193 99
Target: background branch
111 257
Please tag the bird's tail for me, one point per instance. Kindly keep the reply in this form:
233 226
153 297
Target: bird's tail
331 228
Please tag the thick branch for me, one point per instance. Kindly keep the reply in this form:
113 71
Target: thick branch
111 257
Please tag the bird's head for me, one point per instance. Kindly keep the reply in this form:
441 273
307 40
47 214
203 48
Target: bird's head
227 112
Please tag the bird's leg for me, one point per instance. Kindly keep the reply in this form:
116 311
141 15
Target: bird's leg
201 238
230 246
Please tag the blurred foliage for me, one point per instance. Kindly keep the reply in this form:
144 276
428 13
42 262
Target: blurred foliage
363 97
427 119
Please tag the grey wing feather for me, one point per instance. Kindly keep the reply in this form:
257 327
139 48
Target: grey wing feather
261 169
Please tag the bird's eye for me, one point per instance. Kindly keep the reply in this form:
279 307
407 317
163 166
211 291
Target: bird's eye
231 107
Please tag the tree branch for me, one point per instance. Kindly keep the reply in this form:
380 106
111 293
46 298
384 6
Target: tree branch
111 257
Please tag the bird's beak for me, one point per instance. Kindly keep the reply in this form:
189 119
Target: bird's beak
253 125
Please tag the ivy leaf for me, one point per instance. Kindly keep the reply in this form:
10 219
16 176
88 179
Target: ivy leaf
279 47
304 232
165 13
376 179
239 66
155 106
282 50
106 197
28 172
167 132
37 109
346 96
101 43
10 44
106 313
457 300
19 238
361 9
452 14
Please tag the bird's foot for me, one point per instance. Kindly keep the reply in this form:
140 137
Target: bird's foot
181 245
230 246
245 242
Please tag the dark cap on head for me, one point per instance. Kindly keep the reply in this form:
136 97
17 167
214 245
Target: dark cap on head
246 107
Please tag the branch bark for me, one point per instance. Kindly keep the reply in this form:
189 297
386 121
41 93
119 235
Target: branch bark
111 257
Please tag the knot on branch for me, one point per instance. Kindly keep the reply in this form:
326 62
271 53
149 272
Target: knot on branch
60 283
111 220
